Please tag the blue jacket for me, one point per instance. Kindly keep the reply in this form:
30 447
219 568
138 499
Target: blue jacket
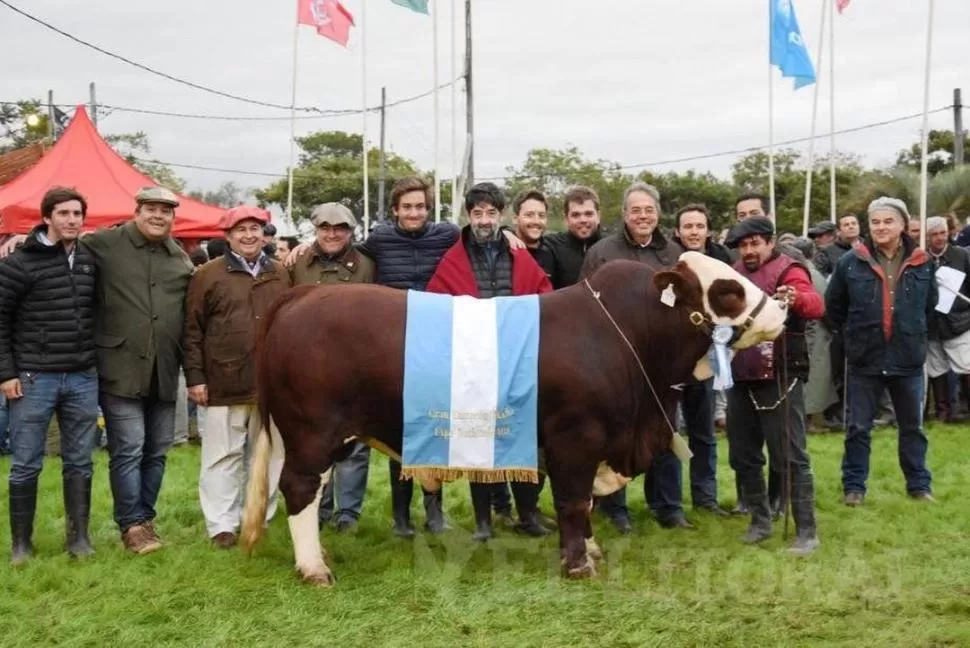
407 260
882 335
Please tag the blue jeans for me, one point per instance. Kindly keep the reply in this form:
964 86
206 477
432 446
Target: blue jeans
73 396
4 426
864 393
348 483
662 489
140 432
699 422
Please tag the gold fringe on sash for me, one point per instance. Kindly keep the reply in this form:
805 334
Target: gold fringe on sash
475 475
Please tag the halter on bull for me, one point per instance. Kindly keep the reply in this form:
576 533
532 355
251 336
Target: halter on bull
596 392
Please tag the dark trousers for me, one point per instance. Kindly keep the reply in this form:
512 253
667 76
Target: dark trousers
662 489
347 486
750 430
906 393
699 422
140 433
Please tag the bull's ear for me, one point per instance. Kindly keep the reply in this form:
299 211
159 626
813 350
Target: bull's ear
727 298
666 278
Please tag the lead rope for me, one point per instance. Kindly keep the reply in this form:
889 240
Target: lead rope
633 350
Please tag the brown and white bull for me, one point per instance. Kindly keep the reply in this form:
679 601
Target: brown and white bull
331 368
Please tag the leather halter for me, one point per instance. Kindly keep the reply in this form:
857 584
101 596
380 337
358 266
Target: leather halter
705 324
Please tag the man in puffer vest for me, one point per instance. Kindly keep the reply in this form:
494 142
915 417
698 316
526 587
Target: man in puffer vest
767 403
47 365
481 264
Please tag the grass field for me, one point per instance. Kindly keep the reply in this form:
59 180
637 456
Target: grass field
894 573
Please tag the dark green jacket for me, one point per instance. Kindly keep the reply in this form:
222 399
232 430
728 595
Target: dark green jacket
140 311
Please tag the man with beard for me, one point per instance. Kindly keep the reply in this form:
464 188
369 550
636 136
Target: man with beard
581 207
482 265
47 365
226 300
641 240
530 217
882 296
693 233
766 404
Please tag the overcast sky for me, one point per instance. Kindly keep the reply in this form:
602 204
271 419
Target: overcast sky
635 81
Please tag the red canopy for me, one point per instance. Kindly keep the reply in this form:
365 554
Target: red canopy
83 160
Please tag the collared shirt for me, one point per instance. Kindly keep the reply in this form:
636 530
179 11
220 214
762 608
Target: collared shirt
42 237
253 267
891 267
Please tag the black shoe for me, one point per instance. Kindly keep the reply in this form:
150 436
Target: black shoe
756 497
435 516
482 505
675 522
345 524
77 510
803 511
529 525
23 505
401 492
622 524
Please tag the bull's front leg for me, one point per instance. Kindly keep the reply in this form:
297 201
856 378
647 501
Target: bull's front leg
302 494
571 489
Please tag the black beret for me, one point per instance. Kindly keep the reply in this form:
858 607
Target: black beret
753 226
825 227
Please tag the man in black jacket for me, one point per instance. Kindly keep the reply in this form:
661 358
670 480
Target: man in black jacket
47 365
949 333
581 207
530 211
829 255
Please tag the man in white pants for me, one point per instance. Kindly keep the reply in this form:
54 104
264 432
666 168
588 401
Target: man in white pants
227 301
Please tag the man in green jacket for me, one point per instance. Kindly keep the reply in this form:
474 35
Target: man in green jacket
143 276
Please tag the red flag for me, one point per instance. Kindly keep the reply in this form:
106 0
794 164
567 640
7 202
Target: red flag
330 18
842 4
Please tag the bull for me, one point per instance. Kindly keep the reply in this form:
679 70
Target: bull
331 369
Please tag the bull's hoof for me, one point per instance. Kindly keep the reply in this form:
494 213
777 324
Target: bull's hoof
582 572
318 577
593 549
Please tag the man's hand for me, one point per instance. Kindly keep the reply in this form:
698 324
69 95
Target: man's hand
11 245
199 394
514 241
786 295
295 255
12 389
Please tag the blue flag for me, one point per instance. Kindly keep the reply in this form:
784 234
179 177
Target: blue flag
788 50
421 6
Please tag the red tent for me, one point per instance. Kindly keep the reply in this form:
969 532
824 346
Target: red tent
83 160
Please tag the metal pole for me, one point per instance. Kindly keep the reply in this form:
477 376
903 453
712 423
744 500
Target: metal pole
363 105
382 177
289 172
437 112
93 106
469 95
833 188
771 141
454 111
50 116
811 142
924 177
957 127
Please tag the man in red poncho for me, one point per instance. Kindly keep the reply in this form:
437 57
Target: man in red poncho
481 264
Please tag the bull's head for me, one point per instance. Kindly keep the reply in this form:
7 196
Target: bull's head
713 293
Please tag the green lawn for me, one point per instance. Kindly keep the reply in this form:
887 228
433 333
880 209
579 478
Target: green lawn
896 572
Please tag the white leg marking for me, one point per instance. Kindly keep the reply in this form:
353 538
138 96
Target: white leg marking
306 541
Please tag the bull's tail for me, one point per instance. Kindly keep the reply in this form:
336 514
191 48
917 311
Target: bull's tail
257 491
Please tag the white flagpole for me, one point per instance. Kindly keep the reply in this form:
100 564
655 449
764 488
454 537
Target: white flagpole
437 182
289 188
454 114
771 130
924 178
833 198
811 141
363 100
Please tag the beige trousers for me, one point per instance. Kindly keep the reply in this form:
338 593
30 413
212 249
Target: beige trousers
230 435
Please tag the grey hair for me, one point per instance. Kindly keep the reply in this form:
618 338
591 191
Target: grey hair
883 203
934 223
642 187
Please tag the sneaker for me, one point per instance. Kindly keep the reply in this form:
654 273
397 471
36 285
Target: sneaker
141 539
923 497
854 499
224 540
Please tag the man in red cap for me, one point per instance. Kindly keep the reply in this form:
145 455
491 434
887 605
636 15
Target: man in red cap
227 299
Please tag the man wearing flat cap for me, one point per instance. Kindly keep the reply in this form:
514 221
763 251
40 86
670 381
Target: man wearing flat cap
882 296
332 259
227 300
823 233
143 276
766 405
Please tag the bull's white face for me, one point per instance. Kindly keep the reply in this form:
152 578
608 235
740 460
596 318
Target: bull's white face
767 325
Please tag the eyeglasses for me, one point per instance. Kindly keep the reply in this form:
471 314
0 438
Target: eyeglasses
643 211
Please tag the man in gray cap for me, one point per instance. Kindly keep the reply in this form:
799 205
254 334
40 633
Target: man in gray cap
332 259
766 404
823 233
882 296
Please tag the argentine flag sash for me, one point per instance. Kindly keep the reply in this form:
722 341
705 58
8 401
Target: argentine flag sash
471 369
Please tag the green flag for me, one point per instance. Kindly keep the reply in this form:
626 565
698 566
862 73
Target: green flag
421 6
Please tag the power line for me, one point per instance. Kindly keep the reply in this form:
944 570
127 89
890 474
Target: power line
693 158
197 86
